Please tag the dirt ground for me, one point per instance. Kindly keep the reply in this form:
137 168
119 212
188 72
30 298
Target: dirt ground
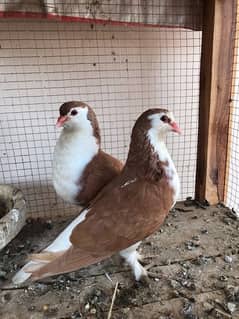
194 258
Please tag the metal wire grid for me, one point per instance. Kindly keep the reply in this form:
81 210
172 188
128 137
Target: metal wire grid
184 13
232 183
120 71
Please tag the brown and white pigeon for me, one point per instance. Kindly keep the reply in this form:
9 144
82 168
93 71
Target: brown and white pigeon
126 211
80 168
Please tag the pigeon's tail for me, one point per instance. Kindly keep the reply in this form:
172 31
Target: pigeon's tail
53 251
22 275
71 260
37 262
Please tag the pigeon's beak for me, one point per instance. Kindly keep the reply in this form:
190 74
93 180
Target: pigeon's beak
175 127
61 120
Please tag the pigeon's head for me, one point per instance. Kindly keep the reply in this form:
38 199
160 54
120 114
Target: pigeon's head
156 123
162 122
78 116
148 137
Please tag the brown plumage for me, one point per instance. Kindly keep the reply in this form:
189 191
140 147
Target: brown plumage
80 168
99 172
129 208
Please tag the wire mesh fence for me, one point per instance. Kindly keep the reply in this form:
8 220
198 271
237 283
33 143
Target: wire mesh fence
119 70
232 181
172 13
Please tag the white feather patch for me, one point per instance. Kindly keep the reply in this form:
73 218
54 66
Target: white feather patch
61 243
129 182
73 151
22 275
160 148
131 256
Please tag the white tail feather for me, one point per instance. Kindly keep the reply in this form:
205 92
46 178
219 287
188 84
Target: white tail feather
22 275
60 244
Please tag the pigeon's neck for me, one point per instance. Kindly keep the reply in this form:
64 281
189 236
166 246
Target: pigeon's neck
149 156
150 160
80 135
157 142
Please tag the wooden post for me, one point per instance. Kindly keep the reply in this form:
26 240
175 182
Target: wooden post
215 89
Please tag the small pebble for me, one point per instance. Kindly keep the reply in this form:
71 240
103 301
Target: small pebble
191 245
93 311
228 259
3 274
31 308
187 309
223 278
87 306
45 307
231 307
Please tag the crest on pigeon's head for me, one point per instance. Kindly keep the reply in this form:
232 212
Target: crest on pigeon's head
78 115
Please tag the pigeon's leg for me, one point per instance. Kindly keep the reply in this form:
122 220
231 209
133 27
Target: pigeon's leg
131 256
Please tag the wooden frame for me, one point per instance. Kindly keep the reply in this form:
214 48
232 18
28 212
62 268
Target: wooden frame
214 105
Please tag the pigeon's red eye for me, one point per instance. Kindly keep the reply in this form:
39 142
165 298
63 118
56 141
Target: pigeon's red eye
73 112
165 119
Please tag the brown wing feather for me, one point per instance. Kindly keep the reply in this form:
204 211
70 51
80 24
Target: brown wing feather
45 256
73 259
126 213
99 172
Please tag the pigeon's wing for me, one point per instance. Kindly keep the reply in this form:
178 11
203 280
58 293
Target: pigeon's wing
101 170
126 214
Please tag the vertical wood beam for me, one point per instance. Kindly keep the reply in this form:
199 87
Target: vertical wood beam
215 88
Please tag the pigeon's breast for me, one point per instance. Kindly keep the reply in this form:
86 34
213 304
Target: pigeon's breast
71 156
173 179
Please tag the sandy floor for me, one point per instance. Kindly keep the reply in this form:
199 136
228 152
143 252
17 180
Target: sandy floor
194 256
